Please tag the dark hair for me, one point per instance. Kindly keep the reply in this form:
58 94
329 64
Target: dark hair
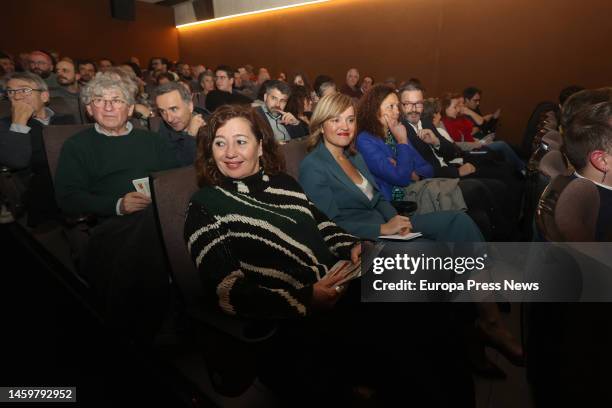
167 75
447 99
281 86
320 81
304 78
4 55
589 130
109 60
163 60
135 68
295 104
431 106
272 161
567 92
369 106
470 92
262 89
581 100
171 87
227 69
85 62
368 76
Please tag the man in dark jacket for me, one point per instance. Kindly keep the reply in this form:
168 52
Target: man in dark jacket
284 125
22 150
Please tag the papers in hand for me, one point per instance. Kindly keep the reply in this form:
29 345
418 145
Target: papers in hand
348 269
142 186
397 237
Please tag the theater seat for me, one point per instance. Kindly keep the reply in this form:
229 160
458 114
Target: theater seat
294 152
54 138
553 164
568 209
226 341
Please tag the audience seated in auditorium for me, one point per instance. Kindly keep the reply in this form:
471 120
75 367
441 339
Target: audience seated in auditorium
588 147
486 197
21 143
456 122
337 180
472 97
351 87
182 123
97 166
275 267
42 64
224 94
285 125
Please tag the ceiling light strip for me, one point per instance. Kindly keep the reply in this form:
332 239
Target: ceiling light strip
307 3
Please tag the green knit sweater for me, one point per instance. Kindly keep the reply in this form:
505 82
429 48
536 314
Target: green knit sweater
95 170
259 245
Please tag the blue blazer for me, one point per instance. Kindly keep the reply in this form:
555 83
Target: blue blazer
334 193
377 153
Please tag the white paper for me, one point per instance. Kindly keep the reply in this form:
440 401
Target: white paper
397 237
142 186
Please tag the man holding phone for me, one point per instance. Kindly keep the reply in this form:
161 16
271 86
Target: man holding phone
284 124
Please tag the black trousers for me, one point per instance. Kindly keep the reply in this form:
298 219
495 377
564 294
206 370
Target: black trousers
408 351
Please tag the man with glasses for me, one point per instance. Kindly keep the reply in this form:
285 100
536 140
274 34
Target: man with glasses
42 64
284 125
99 168
224 95
21 146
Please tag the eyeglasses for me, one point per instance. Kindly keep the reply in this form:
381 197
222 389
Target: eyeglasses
410 105
21 91
101 103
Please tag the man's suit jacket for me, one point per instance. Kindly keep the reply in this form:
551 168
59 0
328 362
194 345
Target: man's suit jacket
295 131
334 193
447 150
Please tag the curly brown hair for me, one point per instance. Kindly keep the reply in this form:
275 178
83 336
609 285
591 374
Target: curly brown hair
369 107
272 161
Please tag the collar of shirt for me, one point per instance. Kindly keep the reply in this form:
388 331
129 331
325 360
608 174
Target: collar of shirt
418 126
596 183
280 132
128 127
46 120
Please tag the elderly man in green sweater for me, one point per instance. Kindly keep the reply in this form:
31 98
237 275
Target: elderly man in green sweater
98 166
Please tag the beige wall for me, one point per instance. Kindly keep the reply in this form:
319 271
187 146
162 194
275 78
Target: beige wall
518 51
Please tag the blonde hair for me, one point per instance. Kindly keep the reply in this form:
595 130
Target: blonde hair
329 107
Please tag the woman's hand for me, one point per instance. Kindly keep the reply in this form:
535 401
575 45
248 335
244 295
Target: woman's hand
356 253
326 292
398 130
397 225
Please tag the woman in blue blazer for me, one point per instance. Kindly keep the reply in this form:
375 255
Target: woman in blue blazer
337 180
383 143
